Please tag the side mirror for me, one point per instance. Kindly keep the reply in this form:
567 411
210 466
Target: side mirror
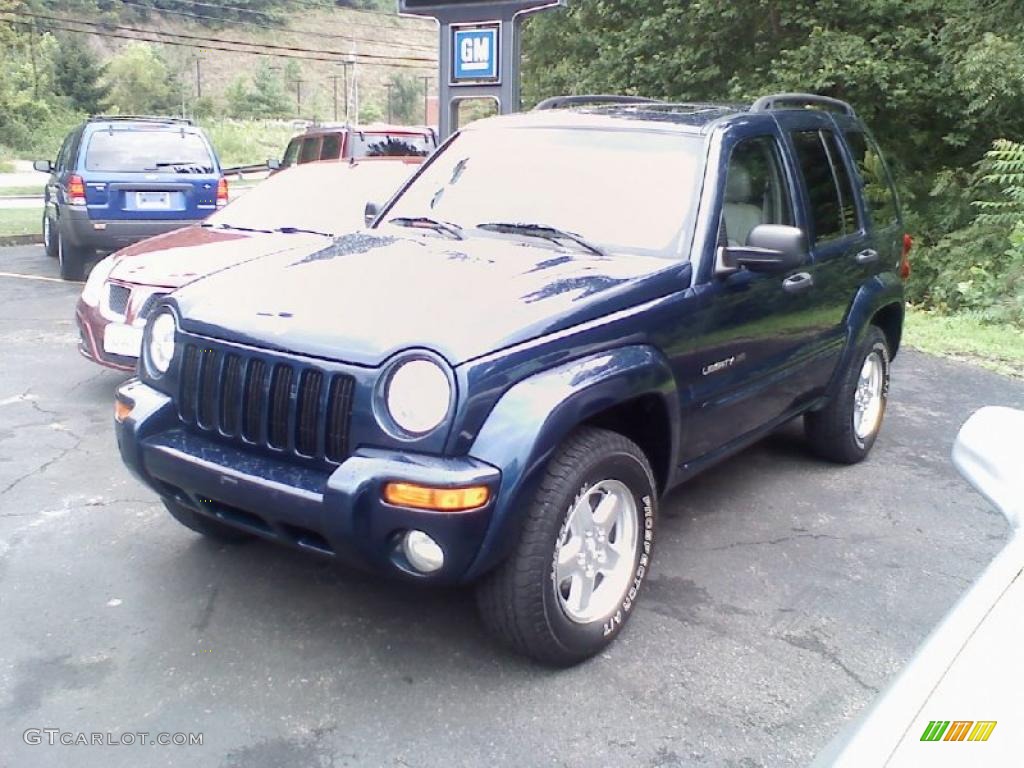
370 213
273 164
989 452
769 248
43 166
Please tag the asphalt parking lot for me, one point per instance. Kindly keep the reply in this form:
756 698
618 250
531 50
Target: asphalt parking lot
785 594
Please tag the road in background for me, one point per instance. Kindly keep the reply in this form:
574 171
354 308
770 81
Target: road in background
785 593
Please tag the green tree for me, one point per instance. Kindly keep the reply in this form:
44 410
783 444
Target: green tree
139 82
406 98
78 76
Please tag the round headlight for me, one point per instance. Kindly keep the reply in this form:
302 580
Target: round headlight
161 342
418 396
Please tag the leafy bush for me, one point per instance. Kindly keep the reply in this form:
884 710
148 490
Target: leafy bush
980 266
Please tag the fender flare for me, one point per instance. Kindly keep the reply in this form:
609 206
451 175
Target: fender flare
534 417
881 291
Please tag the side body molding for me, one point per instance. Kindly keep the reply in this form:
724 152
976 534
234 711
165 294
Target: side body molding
535 415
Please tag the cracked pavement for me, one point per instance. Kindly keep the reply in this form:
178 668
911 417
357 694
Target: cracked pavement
784 594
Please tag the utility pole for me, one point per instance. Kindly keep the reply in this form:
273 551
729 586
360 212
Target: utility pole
426 99
344 69
334 83
199 80
389 86
355 82
298 97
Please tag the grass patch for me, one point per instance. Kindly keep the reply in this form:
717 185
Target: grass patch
999 348
20 191
21 221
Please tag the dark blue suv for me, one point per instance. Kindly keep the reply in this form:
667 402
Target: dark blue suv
563 315
117 180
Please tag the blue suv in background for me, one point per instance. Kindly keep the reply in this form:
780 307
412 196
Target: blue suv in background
118 180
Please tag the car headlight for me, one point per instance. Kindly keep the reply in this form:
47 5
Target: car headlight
97 277
418 396
160 344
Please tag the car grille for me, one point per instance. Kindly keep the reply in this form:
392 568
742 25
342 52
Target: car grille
289 407
117 298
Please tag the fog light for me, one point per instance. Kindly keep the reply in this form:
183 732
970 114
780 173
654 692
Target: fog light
422 552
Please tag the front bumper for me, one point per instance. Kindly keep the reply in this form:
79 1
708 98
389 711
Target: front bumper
91 327
338 513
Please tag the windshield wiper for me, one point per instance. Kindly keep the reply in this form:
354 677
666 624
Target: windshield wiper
300 231
207 225
541 230
425 222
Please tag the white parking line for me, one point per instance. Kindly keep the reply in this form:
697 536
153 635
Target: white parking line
41 278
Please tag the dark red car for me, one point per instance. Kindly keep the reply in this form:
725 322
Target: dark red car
345 142
302 208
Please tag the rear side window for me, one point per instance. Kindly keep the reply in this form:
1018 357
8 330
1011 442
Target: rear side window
816 165
169 151
310 150
873 176
291 153
331 149
390 145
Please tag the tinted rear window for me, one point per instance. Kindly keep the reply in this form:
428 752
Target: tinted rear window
390 145
331 149
123 151
826 207
310 150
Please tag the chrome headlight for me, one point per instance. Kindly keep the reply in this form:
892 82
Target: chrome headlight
418 396
97 277
160 344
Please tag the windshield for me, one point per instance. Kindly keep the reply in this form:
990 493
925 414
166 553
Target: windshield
389 145
150 151
320 197
630 191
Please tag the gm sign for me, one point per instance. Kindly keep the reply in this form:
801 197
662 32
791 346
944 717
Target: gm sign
475 52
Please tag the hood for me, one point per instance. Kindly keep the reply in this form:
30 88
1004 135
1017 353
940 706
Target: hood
176 258
370 295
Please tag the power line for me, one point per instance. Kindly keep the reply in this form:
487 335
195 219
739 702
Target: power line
56 27
204 40
277 25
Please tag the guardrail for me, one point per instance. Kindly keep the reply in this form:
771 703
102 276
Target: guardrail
238 170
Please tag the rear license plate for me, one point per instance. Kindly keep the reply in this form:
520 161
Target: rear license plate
153 200
120 339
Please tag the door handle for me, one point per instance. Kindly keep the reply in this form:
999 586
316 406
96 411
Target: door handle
867 256
798 283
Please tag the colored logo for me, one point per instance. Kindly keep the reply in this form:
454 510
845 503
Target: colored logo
958 730
475 53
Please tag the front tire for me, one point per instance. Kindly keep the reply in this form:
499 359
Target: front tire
204 525
846 428
572 581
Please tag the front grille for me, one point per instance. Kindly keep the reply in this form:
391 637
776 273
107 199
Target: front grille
117 298
287 406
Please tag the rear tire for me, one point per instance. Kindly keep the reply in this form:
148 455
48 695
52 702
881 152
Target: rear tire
71 258
206 526
846 428
49 241
572 581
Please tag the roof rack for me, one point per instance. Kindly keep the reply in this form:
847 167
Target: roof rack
560 102
796 100
147 118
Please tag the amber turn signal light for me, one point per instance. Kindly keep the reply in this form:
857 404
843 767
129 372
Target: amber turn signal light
122 410
438 499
